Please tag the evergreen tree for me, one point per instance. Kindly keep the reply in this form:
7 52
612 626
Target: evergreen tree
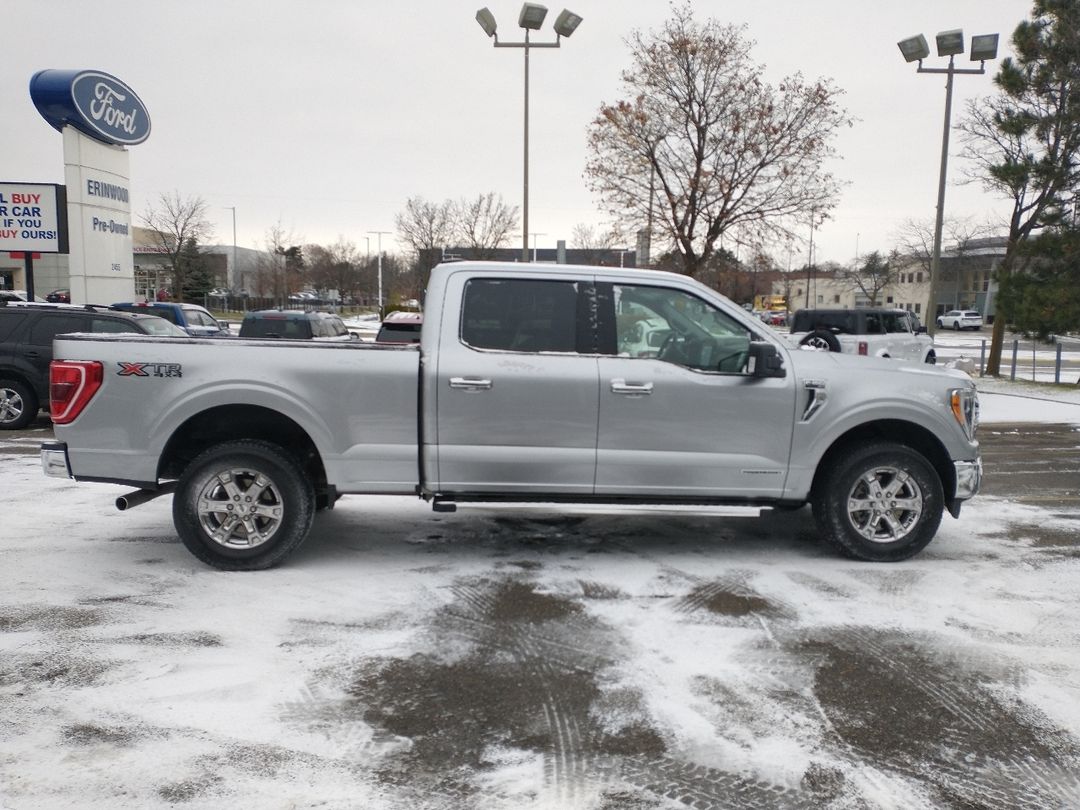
198 278
1025 142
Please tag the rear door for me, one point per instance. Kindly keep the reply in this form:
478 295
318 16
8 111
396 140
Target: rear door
516 387
35 351
686 420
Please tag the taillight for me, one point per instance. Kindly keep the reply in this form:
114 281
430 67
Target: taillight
864 347
72 384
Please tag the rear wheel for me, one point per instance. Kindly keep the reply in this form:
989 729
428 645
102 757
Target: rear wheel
18 405
243 505
879 501
956 326
821 339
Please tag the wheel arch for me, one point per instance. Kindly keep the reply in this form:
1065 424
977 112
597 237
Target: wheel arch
16 375
226 423
897 431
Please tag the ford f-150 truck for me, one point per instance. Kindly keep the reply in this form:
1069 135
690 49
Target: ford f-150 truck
522 388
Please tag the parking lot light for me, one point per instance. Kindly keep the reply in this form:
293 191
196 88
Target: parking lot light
949 43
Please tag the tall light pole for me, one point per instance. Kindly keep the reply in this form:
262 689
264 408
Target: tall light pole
380 235
949 43
531 18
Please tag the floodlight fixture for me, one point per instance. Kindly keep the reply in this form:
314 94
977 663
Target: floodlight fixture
983 47
532 16
914 48
487 21
566 23
950 43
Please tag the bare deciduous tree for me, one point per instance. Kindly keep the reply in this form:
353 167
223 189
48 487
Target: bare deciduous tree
871 277
335 267
278 268
594 242
484 223
715 145
425 227
174 222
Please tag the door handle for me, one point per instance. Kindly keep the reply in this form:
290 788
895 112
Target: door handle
470 384
638 389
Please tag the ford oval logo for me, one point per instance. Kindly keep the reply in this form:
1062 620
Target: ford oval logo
93 102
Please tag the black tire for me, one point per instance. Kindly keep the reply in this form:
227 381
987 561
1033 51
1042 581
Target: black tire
18 405
864 533
956 326
940 325
821 339
931 358
278 519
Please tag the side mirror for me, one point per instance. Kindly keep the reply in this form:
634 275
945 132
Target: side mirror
922 330
765 361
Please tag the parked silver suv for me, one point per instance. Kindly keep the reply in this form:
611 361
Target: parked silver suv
871 331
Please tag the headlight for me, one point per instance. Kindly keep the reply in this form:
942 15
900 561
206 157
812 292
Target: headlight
965 408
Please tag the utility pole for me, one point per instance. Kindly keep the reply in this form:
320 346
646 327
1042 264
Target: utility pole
380 235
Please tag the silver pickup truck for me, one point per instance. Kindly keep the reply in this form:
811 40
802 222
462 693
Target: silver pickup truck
530 383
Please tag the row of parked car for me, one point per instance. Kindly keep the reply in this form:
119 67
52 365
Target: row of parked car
27 331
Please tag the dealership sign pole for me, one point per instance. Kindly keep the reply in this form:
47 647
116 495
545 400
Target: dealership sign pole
98 116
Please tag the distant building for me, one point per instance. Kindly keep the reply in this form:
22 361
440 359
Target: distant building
966 282
153 267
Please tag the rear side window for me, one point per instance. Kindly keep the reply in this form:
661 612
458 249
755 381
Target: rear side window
399 333
168 313
811 320
112 325
49 326
8 322
279 327
523 315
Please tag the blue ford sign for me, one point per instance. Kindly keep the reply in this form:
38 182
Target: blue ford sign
93 102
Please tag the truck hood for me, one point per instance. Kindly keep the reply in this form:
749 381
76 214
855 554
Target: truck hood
892 372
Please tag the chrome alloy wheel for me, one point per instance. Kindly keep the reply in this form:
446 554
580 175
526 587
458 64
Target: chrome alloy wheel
11 405
885 504
239 508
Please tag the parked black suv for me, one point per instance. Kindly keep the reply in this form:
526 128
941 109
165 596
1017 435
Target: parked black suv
293 324
26 336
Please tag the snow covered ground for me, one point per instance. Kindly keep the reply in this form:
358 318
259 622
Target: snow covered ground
541 658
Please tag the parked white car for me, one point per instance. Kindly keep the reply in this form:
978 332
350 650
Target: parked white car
960 319
870 331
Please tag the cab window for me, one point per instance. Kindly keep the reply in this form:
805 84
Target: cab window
676 327
522 315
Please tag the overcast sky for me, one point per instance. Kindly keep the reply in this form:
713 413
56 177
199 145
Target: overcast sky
326 116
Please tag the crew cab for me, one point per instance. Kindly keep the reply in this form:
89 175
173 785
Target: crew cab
530 383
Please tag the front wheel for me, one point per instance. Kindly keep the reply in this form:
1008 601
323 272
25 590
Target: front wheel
880 502
243 505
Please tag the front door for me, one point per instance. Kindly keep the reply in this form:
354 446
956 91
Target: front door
680 416
516 389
